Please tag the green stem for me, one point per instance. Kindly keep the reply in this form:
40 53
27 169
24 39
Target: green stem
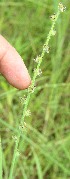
14 157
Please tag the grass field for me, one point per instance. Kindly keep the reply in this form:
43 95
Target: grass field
44 149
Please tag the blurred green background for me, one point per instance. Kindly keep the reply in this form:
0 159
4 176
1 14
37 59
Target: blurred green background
45 143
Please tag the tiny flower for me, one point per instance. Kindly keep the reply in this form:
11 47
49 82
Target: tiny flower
28 113
61 7
46 48
37 59
35 70
15 138
53 32
52 17
31 89
39 72
22 126
23 99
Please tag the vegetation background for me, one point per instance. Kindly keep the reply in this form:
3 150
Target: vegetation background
45 143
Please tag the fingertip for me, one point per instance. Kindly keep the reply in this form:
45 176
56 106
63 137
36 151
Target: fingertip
25 85
12 66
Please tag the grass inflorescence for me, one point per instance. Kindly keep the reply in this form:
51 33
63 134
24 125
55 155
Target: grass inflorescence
32 87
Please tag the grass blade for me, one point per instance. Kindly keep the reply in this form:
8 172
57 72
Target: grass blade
38 165
0 159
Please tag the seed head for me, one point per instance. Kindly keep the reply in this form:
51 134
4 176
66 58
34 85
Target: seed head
31 89
39 72
23 99
37 59
52 17
61 7
53 32
46 48
28 113
22 126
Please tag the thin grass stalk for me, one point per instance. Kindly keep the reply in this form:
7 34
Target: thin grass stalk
31 87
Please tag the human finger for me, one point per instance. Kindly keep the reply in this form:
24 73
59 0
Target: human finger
12 66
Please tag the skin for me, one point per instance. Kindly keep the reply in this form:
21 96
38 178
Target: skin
12 66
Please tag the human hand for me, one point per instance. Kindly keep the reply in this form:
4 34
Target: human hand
12 67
